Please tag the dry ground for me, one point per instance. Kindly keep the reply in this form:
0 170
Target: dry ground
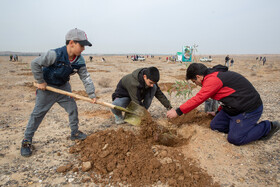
255 164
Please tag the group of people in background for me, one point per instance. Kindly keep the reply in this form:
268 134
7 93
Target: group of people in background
171 59
227 60
14 58
136 56
263 59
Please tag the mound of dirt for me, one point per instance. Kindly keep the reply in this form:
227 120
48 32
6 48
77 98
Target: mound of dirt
158 134
148 157
199 118
121 157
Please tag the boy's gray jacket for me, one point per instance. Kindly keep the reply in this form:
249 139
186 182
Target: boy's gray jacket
50 58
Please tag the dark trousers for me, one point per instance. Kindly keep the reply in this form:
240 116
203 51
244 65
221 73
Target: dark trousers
242 128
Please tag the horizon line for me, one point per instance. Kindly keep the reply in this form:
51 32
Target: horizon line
8 53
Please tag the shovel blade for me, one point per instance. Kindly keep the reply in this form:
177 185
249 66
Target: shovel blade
132 119
123 109
136 115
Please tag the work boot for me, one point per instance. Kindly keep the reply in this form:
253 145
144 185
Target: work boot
26 148
79 135
119 120
275 126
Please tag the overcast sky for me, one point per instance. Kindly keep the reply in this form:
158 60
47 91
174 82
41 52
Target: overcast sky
143 26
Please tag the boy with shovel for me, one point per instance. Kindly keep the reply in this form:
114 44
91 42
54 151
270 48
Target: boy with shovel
54 68
141 87
241 106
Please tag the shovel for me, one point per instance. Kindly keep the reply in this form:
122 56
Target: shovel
133 113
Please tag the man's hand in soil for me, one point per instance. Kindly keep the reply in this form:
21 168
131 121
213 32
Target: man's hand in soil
42 86
171 113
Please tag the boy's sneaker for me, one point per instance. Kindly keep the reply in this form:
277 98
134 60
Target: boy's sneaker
119 120
79 135
26 148
275 126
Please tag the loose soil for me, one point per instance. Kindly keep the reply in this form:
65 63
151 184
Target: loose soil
146 158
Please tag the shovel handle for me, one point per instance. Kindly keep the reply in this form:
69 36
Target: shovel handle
76 96
65 93
106 104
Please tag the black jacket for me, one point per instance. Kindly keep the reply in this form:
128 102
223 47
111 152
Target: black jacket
134 87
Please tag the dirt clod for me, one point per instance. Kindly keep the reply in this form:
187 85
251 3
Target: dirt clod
63 169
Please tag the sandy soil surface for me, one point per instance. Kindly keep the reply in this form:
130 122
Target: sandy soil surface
121 155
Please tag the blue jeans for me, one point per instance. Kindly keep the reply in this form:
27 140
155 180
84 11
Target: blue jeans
242 128
123 102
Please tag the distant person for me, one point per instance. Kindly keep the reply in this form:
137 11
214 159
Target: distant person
141 87
227 61
264 60
241 106
260 58
16 58
11 57
54 69
257 58
231 62
90 58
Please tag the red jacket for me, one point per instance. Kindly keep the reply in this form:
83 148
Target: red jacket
234 91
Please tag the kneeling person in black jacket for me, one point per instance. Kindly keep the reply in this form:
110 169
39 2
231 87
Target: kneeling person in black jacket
140 86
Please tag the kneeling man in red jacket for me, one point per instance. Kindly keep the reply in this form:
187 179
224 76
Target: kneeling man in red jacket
241 105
